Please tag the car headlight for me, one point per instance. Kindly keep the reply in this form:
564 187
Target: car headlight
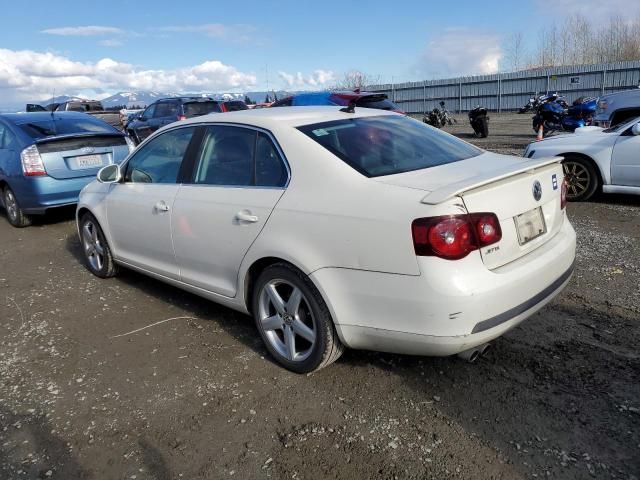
130 144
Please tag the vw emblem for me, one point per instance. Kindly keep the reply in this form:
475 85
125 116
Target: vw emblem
537 190
87 149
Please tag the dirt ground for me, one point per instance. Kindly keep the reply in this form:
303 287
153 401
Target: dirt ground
89 390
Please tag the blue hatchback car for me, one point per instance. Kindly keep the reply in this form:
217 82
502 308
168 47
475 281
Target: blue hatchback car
47 158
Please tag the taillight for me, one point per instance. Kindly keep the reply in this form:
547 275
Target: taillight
454 236
32 165
563 194
181 117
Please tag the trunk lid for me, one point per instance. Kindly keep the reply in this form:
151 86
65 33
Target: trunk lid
73 156
502 185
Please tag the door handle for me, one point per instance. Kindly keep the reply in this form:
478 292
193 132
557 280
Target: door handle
161 206
245 216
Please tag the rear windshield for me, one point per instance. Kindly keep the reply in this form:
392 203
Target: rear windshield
235 106
380 104
59 126
84 107
195 109
377 146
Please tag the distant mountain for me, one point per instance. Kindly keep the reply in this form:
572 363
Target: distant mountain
144 98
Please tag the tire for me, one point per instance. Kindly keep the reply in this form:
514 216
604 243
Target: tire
306 323
95 249
582 178
15 215
484 127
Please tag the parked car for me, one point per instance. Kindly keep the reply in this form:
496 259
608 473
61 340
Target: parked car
368 230
90 107
46 159
594 158
233 105
341 97
617 108
126 115
169 110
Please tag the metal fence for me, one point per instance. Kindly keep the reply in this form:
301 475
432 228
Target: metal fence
510 91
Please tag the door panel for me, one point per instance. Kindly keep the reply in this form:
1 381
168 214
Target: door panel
139 209
219 215
625 161
213 227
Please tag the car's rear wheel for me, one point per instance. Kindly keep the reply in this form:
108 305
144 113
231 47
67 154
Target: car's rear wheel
95 249
15 215
581 177
293 320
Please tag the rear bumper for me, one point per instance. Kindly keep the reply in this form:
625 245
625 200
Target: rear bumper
451 306
36 195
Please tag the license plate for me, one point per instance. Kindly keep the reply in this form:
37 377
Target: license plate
530 225
88 161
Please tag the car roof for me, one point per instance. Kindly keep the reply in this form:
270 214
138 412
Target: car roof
26 117
269 118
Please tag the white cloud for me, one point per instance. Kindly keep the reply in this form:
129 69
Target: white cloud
597 10
239 33
111 42
317 79
86 31
461 51
29 75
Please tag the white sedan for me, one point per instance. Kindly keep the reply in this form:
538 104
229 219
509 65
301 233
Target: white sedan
596 159
336 228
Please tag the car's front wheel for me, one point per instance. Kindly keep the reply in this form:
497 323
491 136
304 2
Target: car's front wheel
581 177
95 249
15 215
293 320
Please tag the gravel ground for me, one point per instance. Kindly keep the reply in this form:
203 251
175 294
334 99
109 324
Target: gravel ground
87 392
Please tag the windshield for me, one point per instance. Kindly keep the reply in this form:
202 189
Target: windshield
386 145
195 109
621 126
65 126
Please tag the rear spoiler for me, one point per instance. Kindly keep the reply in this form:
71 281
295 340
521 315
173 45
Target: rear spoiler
67 136
454 189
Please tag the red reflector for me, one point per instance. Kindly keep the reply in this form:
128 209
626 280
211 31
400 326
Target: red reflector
563 194
455 236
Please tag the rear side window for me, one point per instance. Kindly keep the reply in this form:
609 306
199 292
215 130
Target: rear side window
234 156
159 160
195 109
63 126
377 146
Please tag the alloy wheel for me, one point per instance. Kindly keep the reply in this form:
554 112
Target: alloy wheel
93 248
578 178
11 205
287 320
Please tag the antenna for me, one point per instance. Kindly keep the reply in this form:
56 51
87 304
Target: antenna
53 101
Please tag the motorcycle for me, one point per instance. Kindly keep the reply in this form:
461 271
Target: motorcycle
479 121
535 102
439 117
555 116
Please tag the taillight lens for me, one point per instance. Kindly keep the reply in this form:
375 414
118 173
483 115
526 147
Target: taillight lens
181 117
454 236
563 194
32 165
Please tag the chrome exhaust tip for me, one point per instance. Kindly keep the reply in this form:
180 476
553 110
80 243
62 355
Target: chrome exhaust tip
470 355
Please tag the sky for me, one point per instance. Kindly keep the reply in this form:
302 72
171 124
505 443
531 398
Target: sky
95 49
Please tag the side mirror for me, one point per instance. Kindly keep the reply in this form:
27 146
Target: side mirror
109 174
636 129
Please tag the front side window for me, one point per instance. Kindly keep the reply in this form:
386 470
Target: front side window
386 145
166 109
148 113
159 160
